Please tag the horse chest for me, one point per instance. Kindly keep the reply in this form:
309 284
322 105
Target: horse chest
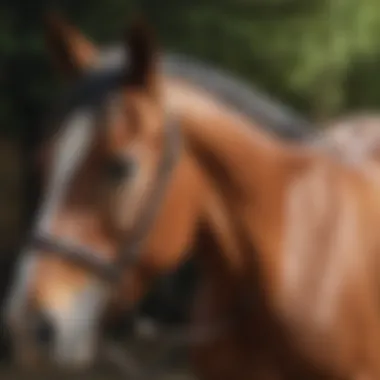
249 349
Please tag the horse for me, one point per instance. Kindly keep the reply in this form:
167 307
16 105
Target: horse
172 307
251 102
284 233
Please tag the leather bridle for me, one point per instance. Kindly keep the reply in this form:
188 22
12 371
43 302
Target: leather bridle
131 248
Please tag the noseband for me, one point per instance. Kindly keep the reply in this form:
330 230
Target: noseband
131 248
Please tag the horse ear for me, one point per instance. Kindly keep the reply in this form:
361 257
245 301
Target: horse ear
142 55
71 51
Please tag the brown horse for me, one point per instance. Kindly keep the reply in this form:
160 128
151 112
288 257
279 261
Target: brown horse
286 235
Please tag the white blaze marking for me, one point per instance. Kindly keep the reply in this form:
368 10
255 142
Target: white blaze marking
72 146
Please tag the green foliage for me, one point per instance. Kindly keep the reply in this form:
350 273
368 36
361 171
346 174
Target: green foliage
320 56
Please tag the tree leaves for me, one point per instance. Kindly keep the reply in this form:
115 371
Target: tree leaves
321 56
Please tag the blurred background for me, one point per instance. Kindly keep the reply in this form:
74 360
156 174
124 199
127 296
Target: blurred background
321 57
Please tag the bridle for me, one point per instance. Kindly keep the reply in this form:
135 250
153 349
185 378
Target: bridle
130 251
131 248
128 255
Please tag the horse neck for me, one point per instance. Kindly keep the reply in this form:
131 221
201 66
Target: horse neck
223 139
246 170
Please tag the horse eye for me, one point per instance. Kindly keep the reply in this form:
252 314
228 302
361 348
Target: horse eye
118 169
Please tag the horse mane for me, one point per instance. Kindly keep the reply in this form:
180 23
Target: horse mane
245 99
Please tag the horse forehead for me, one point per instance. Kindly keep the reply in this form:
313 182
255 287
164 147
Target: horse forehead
78 115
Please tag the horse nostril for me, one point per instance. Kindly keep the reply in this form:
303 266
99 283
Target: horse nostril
44 331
